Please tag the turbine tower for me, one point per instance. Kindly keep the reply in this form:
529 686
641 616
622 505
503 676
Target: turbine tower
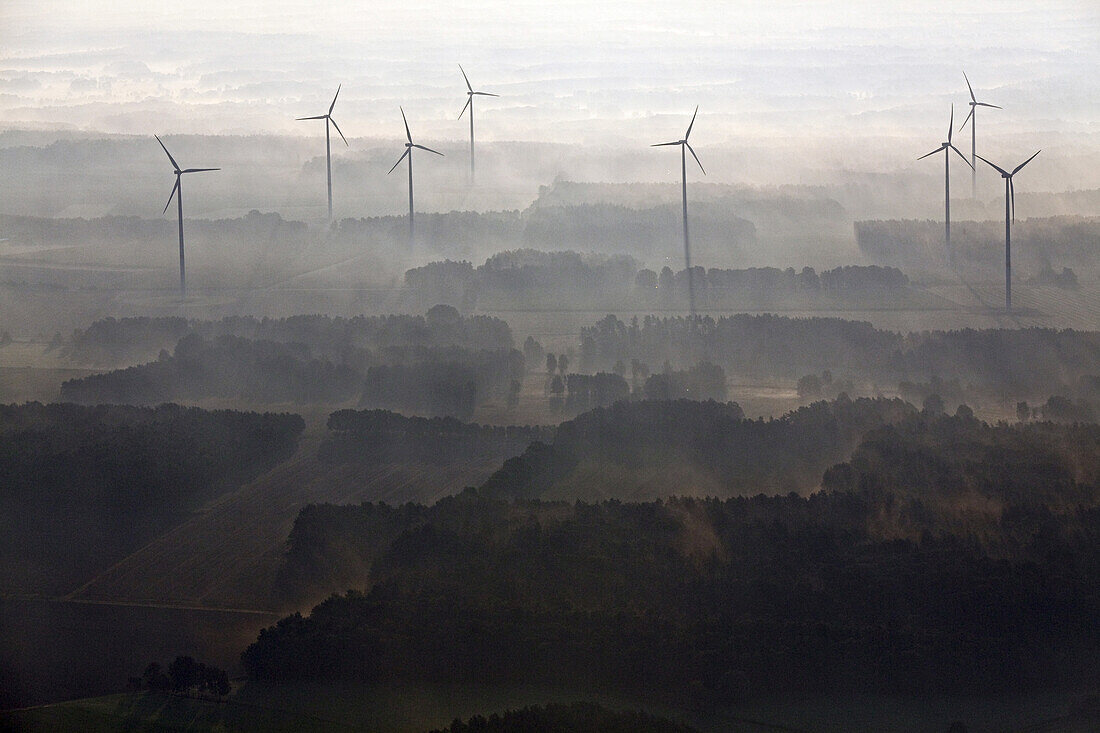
972 119
685 146
945 148
408 154
327 117
470 94
177 191
1010 216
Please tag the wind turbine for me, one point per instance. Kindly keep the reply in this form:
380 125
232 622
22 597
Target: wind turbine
1010 216
327 117
972 119
177 191
408 154
945 148
470 94
684 147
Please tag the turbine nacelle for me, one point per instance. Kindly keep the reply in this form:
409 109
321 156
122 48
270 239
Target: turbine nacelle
974 103
470 93
947 144
1011 192
179 173
327 117
409 145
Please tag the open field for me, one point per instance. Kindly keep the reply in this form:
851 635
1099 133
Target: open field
205 587
407 709
54 650
228 555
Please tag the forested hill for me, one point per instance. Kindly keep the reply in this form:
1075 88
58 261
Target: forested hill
968 462
859 588
440 364
82 486
650 449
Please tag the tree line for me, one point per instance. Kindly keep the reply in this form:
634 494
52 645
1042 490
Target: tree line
1028 361
1042 243
112 341
410 367
184 676
552 279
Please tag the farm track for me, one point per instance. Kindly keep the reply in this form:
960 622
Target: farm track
229 553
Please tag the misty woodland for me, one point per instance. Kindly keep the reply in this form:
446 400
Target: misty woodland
549 367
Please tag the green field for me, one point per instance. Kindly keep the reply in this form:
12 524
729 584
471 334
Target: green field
394 709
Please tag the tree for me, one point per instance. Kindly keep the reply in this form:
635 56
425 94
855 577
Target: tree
665 280
619 368
1023 412
221 683
557 389
809 386
551 363
563 364
532 352
155 678
933 405
184 673
513 392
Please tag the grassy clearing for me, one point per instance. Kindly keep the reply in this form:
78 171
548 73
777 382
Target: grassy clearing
406 709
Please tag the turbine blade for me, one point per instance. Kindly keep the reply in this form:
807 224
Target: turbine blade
399 160
1000 170
1012 197
972 99
171 196
199 170
465 77
468 103
316 117
428 149
338 130
659 145
1021 165
962 156
932 153
334 99
688 133
407 133
174 163
967 118
951 123
983 104
486 94
692 151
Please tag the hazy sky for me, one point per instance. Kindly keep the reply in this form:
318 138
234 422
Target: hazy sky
786 67
854 84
